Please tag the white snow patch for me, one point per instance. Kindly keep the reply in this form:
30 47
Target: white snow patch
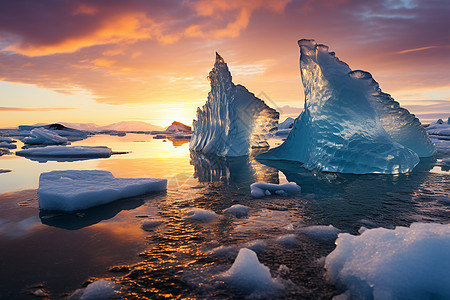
237 210
201 215
405 263
249 275
261 189
41 136
321 232
69 152
81 189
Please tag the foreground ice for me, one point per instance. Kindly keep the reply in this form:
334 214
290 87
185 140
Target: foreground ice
41 136
405 263
261 189
249 275
81 189
98 290
66 151
348 124
321 232
233 120
237 210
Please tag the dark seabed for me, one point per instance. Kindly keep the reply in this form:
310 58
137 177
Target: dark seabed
61 252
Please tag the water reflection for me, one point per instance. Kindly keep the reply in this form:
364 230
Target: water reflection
345 199
235 171
83 218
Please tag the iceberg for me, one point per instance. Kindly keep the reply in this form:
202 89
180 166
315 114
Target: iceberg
348 124
72 190
439 128
233 120
41 136
405 263
71 134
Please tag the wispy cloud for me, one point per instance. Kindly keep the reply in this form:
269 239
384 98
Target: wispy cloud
416 49
34 109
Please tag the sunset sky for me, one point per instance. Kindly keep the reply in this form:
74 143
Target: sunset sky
105 61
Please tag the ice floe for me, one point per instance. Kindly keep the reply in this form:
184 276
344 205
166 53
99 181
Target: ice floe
7 145
98 290
261 189
288 240
81 189
405 263
67 152
41 136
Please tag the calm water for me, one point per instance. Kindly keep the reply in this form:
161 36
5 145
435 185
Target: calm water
60 252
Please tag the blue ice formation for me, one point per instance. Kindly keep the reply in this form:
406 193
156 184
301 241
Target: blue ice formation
233 120
348 124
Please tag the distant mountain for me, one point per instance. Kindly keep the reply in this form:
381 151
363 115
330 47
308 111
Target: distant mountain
120 126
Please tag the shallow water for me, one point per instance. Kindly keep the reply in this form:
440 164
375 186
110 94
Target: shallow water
59 252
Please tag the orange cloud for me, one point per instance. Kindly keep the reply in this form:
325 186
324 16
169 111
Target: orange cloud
126 28
243 10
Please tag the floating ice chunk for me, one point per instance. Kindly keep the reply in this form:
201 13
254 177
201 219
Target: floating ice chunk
7 145
98 290
321 232
70 133
41 136
288 240
225 250
405 263
442 145
66 151
81 189
201 215
5 139
256 245
348 124
249 275
149 225
261 189
237 210
233 120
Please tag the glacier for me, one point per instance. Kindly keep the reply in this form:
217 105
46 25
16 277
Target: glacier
233 120
348 124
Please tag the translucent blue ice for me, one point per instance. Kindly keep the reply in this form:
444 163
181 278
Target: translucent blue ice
348 124
233 120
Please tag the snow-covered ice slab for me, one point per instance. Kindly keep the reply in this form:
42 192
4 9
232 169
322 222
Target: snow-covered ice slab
348 124
81 189
261 189
41 136
68 152
405 263
233 120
